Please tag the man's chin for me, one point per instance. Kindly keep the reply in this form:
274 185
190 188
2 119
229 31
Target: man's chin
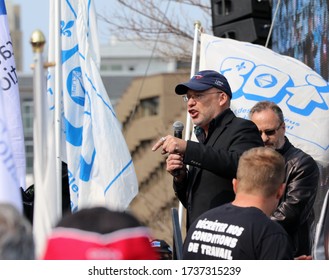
270 146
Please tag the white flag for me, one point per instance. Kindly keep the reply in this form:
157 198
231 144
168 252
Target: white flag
9 184
257 73
12 149
10 91
101 171
46 200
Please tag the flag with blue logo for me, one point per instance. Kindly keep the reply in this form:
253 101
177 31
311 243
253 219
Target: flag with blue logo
257 73
100 167
12 149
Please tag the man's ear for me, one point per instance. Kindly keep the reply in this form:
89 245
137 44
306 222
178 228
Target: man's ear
223 99
235 185
280 191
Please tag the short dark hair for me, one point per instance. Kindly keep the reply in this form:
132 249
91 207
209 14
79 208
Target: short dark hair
264 105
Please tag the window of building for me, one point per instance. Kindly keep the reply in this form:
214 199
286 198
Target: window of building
149 106
29 155
116 67
27 117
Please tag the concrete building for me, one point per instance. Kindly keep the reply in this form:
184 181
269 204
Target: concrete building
14 23
132 58
145 118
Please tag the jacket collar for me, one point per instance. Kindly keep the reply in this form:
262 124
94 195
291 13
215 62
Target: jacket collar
285 146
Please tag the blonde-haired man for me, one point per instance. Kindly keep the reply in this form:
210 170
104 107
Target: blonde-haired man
242 230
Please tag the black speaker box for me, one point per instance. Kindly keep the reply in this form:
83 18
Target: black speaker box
226 11
253 30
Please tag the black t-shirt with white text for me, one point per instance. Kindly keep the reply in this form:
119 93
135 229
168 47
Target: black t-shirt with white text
236 233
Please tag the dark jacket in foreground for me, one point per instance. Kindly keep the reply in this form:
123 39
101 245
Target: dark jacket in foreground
213 164
295 211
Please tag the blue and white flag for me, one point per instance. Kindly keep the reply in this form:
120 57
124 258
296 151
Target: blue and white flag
101 171
9 184
257 73
10 91
12 149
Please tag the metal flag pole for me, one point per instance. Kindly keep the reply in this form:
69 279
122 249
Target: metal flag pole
272 24
58 95
197 27
38 41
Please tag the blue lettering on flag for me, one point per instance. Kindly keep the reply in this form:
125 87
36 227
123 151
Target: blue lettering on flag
75 86
259 82
73 134
67 54
85 168
265 80
2 8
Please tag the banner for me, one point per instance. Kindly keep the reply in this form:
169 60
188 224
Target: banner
10 91
101 171
257 73
9 184
47 200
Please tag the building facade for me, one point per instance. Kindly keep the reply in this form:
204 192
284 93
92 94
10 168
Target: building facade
145 118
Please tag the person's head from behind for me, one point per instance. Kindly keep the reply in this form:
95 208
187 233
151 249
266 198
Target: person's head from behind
207 94
269 119
99 233
261 173
16 237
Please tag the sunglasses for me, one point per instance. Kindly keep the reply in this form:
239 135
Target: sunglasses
270 132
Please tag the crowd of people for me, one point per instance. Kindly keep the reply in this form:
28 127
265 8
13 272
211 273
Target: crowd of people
248 193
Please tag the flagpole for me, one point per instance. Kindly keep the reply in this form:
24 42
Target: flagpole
197 27
272 24
38 41
58 95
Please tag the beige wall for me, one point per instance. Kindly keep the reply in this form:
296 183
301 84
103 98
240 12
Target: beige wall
155 199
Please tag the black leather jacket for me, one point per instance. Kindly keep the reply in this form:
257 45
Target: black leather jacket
295 210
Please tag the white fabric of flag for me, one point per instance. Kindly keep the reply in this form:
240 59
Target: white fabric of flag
101 171
46 200
257 73
9 184
10 91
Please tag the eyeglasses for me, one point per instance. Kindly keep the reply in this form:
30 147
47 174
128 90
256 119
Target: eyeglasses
270 132
197 96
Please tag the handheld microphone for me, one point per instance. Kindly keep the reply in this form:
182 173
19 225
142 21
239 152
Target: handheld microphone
178 129
178 132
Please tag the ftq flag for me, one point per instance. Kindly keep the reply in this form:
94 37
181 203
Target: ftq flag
100 167
257 73
11 103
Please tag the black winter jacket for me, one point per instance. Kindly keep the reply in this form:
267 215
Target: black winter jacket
213 164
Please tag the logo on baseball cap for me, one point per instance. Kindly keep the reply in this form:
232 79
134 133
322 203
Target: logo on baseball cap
204 80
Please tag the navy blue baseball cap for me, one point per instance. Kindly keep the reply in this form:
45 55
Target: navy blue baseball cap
204 80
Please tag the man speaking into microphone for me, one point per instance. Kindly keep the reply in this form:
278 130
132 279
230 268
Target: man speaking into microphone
213 160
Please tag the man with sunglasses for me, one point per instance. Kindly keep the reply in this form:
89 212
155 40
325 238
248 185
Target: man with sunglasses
295 210
213 159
